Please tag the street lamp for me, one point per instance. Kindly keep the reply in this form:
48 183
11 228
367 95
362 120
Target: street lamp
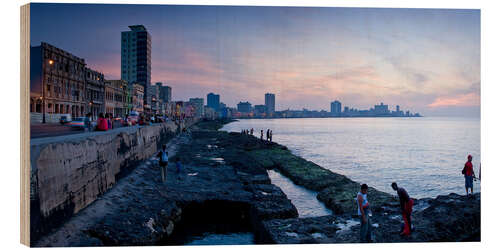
51 63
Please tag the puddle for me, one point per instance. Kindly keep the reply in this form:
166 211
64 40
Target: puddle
304 200
291 234
224 239
218 160
213 223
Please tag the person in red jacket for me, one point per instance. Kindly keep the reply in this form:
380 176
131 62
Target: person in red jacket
406 204
468 172
102 123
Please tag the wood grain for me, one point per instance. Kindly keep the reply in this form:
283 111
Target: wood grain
25 125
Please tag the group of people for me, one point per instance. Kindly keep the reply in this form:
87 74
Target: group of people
269 134
364 211
104 122
405 203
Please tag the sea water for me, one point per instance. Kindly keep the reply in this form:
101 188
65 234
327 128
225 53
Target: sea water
425 155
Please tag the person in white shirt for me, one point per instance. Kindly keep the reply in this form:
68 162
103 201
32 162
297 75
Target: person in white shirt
363 212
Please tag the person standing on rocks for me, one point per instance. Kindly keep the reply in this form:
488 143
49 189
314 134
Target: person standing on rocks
406 204
261 135
363 212
267 135
271 136
163 155
468 172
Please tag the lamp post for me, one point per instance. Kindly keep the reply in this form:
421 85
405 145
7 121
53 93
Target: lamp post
91 110
51 62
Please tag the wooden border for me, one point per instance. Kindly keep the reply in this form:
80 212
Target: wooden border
25 125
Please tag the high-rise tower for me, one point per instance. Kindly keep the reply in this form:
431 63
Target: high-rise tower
136 57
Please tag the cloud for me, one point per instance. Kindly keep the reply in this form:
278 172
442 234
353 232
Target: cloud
464 100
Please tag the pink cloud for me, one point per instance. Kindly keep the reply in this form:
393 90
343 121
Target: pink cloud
109 65
470 99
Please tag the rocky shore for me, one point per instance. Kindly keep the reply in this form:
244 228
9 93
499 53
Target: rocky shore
224 188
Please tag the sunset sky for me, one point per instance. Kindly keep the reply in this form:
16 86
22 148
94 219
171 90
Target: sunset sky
425 60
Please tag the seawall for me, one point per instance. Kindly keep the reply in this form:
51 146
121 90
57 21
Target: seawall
70 172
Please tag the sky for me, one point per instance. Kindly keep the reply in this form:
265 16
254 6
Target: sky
425 60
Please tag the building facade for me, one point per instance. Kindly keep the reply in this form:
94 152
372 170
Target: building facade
115 101
94 92
244 107
260 110
136 57
57 84
138 98
381 109
154 93
270 103
213 101
165 92
336 108
198 104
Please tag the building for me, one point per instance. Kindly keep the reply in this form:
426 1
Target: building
128 104
94 92
115 101
245 107
198 105
381 109
154 93
260 110
138 98
57 84
210 113
213 101
270 103
336 108
136 57
165 92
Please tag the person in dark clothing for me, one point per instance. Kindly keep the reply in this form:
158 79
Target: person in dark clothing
87 122
163 155
261 134
271 136
406 204
267 135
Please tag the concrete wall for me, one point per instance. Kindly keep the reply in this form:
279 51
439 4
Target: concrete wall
70 172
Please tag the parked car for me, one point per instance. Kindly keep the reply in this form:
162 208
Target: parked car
77 123
65 119
133 118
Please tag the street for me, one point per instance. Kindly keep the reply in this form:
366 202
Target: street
55 129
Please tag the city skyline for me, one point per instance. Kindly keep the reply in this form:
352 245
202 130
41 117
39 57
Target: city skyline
365 56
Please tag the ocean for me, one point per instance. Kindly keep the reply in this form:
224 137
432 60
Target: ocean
425 155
